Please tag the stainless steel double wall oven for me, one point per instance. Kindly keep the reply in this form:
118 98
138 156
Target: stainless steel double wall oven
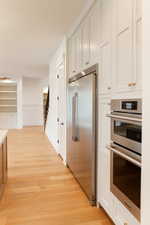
125 147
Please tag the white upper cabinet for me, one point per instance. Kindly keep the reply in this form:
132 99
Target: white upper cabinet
138 9
123 47
137 27
69 59
105 75
138 66
124 14
94 33
86 43
105 20
124 61
78 50
127 48
74 53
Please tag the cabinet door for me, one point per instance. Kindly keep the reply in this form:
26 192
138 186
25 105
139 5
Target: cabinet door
138 9
70 58
103 189
106 21
137 82
4 148
94 33
124 14
86 42
78 51
103 122
124 61
105 75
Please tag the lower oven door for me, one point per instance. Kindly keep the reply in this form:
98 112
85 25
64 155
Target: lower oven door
127 133
126 181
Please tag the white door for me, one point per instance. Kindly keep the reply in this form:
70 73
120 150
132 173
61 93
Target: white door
61 111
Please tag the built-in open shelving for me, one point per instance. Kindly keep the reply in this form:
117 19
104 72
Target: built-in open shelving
8 97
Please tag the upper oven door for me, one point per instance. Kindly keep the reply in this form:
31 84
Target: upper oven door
127 133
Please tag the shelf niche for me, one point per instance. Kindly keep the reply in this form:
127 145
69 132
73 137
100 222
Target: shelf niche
8 97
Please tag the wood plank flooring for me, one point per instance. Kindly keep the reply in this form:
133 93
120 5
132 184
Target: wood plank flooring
40 189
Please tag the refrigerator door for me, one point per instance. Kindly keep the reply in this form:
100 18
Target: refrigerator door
81 146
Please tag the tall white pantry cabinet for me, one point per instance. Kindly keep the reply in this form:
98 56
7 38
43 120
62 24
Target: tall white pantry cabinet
110 35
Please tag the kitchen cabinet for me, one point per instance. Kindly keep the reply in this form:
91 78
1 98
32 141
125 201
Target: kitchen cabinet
123 45
83 44
105 21
74 52
105 68
71 58
124 11
137 80
103 122
104 195
124 61
91 37
94 33
137 28
138 9
86 43
105 51
127 49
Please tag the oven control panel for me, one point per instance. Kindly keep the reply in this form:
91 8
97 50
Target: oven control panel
127 105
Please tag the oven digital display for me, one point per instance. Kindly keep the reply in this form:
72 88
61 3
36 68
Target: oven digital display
132 105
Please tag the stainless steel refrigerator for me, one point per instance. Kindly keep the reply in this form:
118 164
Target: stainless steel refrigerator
81 148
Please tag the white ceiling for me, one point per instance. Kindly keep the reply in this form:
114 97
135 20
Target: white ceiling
30 31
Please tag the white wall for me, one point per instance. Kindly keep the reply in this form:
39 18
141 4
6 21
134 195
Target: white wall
32 102
52 124
146 114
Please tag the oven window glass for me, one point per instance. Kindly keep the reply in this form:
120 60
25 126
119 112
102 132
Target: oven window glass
127 178
128 130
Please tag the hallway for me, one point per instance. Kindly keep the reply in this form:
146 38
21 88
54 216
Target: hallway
40 190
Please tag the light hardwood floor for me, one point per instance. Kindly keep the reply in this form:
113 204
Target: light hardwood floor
41 190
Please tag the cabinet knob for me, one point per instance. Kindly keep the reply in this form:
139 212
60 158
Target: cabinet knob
133 84
109 88
73 71
87 63
130 84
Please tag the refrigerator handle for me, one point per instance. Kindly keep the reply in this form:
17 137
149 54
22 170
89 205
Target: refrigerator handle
75 117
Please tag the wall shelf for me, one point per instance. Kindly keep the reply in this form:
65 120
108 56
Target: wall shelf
8 97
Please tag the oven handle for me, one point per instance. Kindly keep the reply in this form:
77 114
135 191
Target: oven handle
124 118
124 156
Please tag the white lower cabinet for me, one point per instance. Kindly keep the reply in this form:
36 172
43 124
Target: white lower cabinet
115 209
122 215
